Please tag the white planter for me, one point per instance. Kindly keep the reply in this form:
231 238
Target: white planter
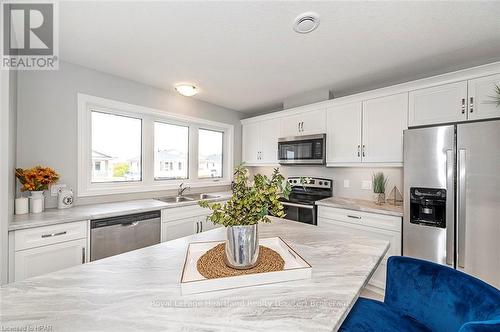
37 201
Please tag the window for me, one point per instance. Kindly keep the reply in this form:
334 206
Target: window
171 144
116 143
210 151
125 148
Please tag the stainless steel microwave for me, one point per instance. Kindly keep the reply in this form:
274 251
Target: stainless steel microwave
302 150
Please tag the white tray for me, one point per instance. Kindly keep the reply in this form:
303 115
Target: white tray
192 281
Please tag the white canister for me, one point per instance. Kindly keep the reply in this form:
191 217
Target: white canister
21 205
36 201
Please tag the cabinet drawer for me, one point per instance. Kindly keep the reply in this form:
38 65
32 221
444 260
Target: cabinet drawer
42 236
184 212
361 218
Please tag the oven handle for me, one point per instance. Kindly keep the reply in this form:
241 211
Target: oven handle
311 207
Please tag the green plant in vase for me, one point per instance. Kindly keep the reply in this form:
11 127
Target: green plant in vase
250 204
379 182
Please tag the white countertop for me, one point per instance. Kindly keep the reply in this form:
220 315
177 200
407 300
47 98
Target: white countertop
140 290
361 205
95 211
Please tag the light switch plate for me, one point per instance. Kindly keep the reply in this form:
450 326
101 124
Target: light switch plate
347 183
54 189
366 184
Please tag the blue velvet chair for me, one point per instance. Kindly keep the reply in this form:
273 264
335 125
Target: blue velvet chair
423 296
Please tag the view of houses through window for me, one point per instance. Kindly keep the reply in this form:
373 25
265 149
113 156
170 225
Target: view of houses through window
210 147
116 147
171 146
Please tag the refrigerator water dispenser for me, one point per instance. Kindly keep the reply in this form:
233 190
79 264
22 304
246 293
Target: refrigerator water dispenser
428 207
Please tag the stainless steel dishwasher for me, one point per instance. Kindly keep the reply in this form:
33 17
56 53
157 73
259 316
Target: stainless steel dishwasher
116 235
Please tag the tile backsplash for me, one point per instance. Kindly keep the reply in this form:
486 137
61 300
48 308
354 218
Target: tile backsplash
347 181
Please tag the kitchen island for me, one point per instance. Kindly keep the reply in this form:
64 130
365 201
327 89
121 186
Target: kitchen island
140 290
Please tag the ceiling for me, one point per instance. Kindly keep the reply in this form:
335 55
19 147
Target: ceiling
245 55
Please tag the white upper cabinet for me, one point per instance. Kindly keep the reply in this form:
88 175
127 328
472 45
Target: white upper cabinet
269 141
482 104
384 120
344 133
251 142
260 142
439 104
306 123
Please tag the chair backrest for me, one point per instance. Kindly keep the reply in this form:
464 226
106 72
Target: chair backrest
439 297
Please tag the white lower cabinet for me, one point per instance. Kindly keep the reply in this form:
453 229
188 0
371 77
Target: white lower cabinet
41 260
367 225
39 250
184 221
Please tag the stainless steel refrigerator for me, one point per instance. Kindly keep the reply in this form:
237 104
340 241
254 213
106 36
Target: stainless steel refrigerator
452 197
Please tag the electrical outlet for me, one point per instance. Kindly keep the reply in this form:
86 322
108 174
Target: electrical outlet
347 183
54 189
366 184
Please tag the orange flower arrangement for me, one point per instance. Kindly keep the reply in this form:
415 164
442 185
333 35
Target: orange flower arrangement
37 178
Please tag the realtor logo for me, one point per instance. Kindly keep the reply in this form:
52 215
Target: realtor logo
29 35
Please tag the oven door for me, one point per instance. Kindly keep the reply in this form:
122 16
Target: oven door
300 212
302 150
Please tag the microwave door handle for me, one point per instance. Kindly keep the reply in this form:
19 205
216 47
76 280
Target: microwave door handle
461 177
450 227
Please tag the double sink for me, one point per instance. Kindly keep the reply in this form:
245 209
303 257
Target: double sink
187 198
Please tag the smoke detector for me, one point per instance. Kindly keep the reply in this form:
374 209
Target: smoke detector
306 22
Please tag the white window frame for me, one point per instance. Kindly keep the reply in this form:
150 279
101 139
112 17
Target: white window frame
86 103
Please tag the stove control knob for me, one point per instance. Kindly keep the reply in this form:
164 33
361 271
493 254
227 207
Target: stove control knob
320 183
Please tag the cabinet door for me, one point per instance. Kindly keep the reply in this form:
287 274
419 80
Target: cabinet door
270 132
37 261
251 142
344 134
439 104
290 125
179 228
482 104
384 120
313 122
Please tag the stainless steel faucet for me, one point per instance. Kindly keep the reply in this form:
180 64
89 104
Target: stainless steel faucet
182 189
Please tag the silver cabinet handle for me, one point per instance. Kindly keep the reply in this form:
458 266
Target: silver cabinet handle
83 255
359 153
201 226
197 227
302 126
471 105
354 217
463 105
363 150
53 234
450 205
298 126
461 177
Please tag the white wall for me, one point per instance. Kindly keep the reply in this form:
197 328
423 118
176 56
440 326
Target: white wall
47 117
339 174
7 162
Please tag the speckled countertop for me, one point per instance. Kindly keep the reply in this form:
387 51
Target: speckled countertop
94 211
140 290
361 205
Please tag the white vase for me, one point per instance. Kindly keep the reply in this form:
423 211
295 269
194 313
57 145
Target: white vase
37 201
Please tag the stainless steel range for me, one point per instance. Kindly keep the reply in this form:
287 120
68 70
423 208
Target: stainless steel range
300 206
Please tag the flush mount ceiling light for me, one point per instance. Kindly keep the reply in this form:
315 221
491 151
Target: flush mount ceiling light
187 90
306 22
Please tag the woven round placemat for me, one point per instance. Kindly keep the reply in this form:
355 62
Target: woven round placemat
211 265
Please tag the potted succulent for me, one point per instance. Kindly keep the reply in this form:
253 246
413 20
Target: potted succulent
379 182
36 180
250 204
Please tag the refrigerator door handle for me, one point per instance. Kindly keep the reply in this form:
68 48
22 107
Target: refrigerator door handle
461 176
450 206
